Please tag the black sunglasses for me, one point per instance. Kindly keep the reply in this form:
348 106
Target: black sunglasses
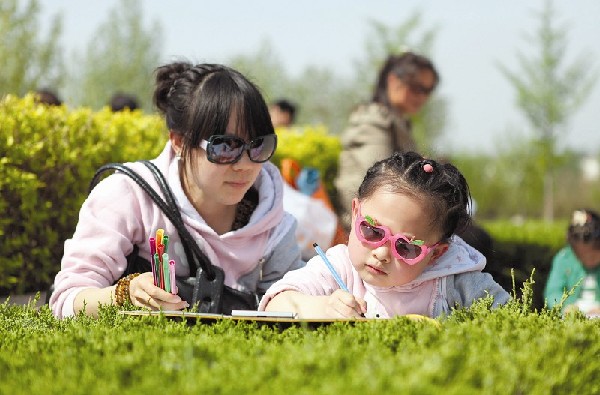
226 149
419 89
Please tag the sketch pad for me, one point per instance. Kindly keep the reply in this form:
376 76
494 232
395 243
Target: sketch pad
283 319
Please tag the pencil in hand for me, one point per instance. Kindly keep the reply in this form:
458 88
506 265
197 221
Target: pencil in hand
336 276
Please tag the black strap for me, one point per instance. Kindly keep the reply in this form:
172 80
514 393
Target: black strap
170 200
209 281
193 252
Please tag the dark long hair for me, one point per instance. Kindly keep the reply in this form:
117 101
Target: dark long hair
198 100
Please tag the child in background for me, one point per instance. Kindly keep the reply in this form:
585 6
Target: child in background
577 263
402 256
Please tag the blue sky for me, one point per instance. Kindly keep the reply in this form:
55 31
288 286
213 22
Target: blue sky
473 37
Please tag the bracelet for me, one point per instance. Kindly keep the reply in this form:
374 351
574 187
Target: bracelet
122 289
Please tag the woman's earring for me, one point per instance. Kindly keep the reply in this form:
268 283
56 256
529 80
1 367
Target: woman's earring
178 156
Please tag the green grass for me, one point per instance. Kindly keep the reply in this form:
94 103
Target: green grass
510 350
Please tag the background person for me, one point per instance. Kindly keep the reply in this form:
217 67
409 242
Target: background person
283 113
121 101
402 255
578 263
229 196
48 96
379 128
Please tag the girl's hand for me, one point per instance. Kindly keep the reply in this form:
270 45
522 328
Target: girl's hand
342 304
143 293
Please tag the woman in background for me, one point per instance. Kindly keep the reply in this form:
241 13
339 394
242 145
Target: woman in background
378 129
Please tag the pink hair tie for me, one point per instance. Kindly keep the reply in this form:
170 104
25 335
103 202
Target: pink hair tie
428 168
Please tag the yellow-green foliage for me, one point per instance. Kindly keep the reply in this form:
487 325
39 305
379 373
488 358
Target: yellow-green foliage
310 146
49 155
550 234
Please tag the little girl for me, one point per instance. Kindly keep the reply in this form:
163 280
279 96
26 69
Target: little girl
402 255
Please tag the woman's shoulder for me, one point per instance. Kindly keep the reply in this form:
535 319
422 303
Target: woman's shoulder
373 113
564 255
120 184
367 124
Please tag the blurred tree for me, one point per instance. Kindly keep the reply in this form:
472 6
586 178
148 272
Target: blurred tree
324 98
121 56
510 184
548 93
265 69
318 93
27 61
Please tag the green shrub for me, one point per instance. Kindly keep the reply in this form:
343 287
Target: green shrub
510 350
50 156
550 234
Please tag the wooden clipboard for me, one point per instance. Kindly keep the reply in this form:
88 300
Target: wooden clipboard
281 320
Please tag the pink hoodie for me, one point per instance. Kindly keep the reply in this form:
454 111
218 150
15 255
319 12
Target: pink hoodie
118 214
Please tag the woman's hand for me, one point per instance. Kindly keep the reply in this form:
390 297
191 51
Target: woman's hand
143 293
342 304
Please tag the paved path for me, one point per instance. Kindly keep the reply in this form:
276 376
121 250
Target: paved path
24 299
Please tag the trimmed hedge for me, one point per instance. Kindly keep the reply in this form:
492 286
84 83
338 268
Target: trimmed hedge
510 350
49 157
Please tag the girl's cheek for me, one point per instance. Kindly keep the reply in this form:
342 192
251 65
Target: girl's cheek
355 251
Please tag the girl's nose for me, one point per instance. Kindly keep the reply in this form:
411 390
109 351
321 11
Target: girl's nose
383 253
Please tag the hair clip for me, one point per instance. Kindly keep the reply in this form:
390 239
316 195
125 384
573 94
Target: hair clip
580 218
428 168
370 221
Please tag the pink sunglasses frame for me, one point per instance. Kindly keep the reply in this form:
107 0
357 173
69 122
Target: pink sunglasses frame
391 237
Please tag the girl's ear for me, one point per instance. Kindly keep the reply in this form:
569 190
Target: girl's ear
176 142
355 205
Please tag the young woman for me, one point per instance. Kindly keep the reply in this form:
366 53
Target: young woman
381 127
228 194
